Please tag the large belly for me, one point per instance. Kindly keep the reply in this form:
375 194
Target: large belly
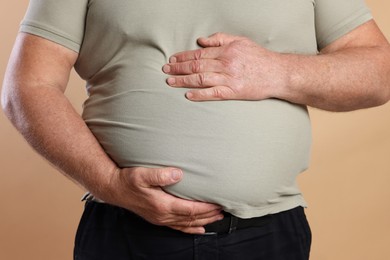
235 153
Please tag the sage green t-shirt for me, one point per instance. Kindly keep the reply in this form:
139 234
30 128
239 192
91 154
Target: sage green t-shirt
243 155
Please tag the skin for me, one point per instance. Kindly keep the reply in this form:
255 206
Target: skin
38 73
351 73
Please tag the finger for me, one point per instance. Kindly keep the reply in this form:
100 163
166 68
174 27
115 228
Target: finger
190 230
217 39
199 80
211 214
198 54
183 207
182 212
158 177
193 67
199 215
194 222
186 220
209 94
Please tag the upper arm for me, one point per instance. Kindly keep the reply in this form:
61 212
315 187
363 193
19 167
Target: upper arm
47 46
365 35
38 62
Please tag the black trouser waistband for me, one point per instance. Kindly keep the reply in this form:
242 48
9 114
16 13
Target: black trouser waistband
230 223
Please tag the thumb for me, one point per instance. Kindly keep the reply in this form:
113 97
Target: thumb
216 40
161 176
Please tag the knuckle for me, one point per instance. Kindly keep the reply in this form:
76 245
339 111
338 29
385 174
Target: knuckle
196 66
219 34
198 54
151 177
233 48
201 79
230 66
159 175
191 212
132 176
189 223
135 170
218 93
185 81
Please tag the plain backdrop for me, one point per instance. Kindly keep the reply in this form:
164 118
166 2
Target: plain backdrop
347 185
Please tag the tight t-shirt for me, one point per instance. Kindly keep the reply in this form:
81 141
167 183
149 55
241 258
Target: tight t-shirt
243 155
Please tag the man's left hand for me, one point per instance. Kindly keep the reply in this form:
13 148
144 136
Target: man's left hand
227 67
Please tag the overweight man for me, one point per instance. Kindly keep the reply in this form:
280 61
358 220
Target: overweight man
196 123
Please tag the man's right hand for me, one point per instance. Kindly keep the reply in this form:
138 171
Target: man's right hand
140 190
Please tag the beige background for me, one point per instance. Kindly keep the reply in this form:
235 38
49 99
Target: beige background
347 186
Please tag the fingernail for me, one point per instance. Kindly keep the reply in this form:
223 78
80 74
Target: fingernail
172 59
171 81
166 68
176 174
202 39
189 95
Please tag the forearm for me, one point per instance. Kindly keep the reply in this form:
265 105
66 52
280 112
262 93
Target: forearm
345 80
50 124
353 72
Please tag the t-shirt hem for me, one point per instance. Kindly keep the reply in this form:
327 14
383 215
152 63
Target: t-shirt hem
248 212
361 16
50 35
269 209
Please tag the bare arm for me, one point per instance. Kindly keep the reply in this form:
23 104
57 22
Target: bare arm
351 73
33 99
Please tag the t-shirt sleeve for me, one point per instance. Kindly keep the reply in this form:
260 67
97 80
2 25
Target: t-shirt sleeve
335 18
60 21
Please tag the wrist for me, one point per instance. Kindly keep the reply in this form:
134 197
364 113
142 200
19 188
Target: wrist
291 83
103 185
283 77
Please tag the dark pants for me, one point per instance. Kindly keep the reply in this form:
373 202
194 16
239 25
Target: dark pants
111 233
